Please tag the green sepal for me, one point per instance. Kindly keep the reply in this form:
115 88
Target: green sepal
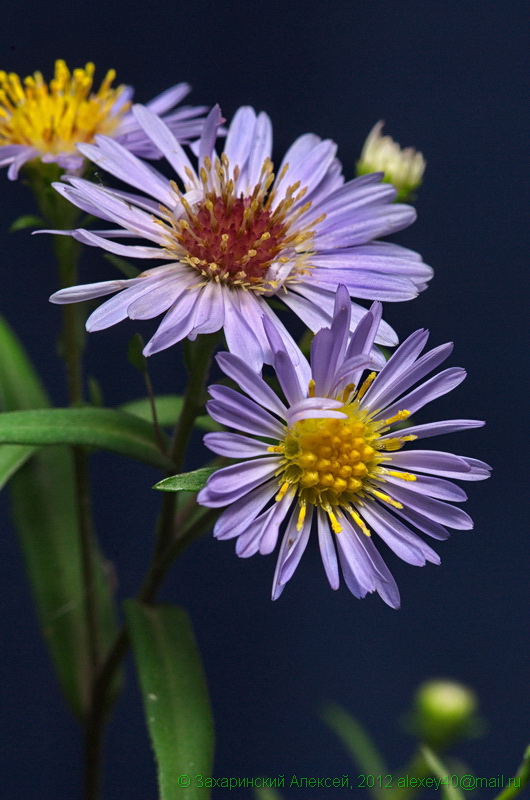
103 428
168 408
26 221
45 514
175 698
186 481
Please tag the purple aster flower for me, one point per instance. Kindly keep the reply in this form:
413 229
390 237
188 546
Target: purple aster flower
47 122
235 235
330 456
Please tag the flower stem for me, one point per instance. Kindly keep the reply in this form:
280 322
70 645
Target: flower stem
520 781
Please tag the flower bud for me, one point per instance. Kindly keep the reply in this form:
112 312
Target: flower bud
443 711
403 168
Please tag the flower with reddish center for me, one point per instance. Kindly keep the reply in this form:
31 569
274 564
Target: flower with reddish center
235 234
47 121
331 456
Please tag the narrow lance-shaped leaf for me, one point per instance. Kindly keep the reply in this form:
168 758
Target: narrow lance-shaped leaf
90 427
358 743
45 513
175 698
186 481
168 408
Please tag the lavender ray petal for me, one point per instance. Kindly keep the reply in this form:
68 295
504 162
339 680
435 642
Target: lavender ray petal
236 518
327 549
433 462
251 383
435 387
169 98
269 425
438 428
296 544
366 225
231 483
162 136
233 445
261 149
441 512
401 540
366 285
435 487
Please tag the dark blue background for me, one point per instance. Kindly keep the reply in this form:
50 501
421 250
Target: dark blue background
452 79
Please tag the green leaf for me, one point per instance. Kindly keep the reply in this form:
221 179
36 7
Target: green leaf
175 698
266 793
358 743
45 513
186 481
26 221
90 427
135 354
12 457
168 408
441 771
129 270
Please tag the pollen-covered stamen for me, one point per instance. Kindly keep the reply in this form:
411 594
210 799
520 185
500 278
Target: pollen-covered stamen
55 118
235 238
337 463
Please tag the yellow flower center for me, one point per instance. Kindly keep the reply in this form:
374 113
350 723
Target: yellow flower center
333 463
234 238
55 118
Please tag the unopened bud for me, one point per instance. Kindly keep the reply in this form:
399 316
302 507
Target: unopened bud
403 168
443 711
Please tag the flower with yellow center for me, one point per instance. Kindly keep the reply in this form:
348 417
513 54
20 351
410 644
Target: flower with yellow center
47 121
234 232
333 456
402 167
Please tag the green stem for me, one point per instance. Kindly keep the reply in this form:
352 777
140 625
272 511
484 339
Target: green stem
522 776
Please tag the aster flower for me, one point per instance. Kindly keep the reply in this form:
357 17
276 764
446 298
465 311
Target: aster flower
235 235
331 456
47 121
403 168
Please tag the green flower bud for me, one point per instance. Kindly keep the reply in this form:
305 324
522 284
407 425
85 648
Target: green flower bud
403 168
444 711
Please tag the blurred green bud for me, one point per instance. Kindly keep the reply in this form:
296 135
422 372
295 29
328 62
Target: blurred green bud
443 712
403 168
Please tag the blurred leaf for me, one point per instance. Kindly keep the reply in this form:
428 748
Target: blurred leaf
441 771
186 481
12 457
26 221
95 392
128 269
175 697
45 514
266 793
135 354
90 427
358 743
168 408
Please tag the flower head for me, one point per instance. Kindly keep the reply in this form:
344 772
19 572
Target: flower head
48 121
331 456
403 168
235 234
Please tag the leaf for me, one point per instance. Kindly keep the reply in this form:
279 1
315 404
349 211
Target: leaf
12 457
441 771
358 743
89 427
45 513
128 269
186 481
26 221
168 408
175 698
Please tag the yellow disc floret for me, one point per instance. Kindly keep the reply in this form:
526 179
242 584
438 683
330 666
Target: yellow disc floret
333 463
55 117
